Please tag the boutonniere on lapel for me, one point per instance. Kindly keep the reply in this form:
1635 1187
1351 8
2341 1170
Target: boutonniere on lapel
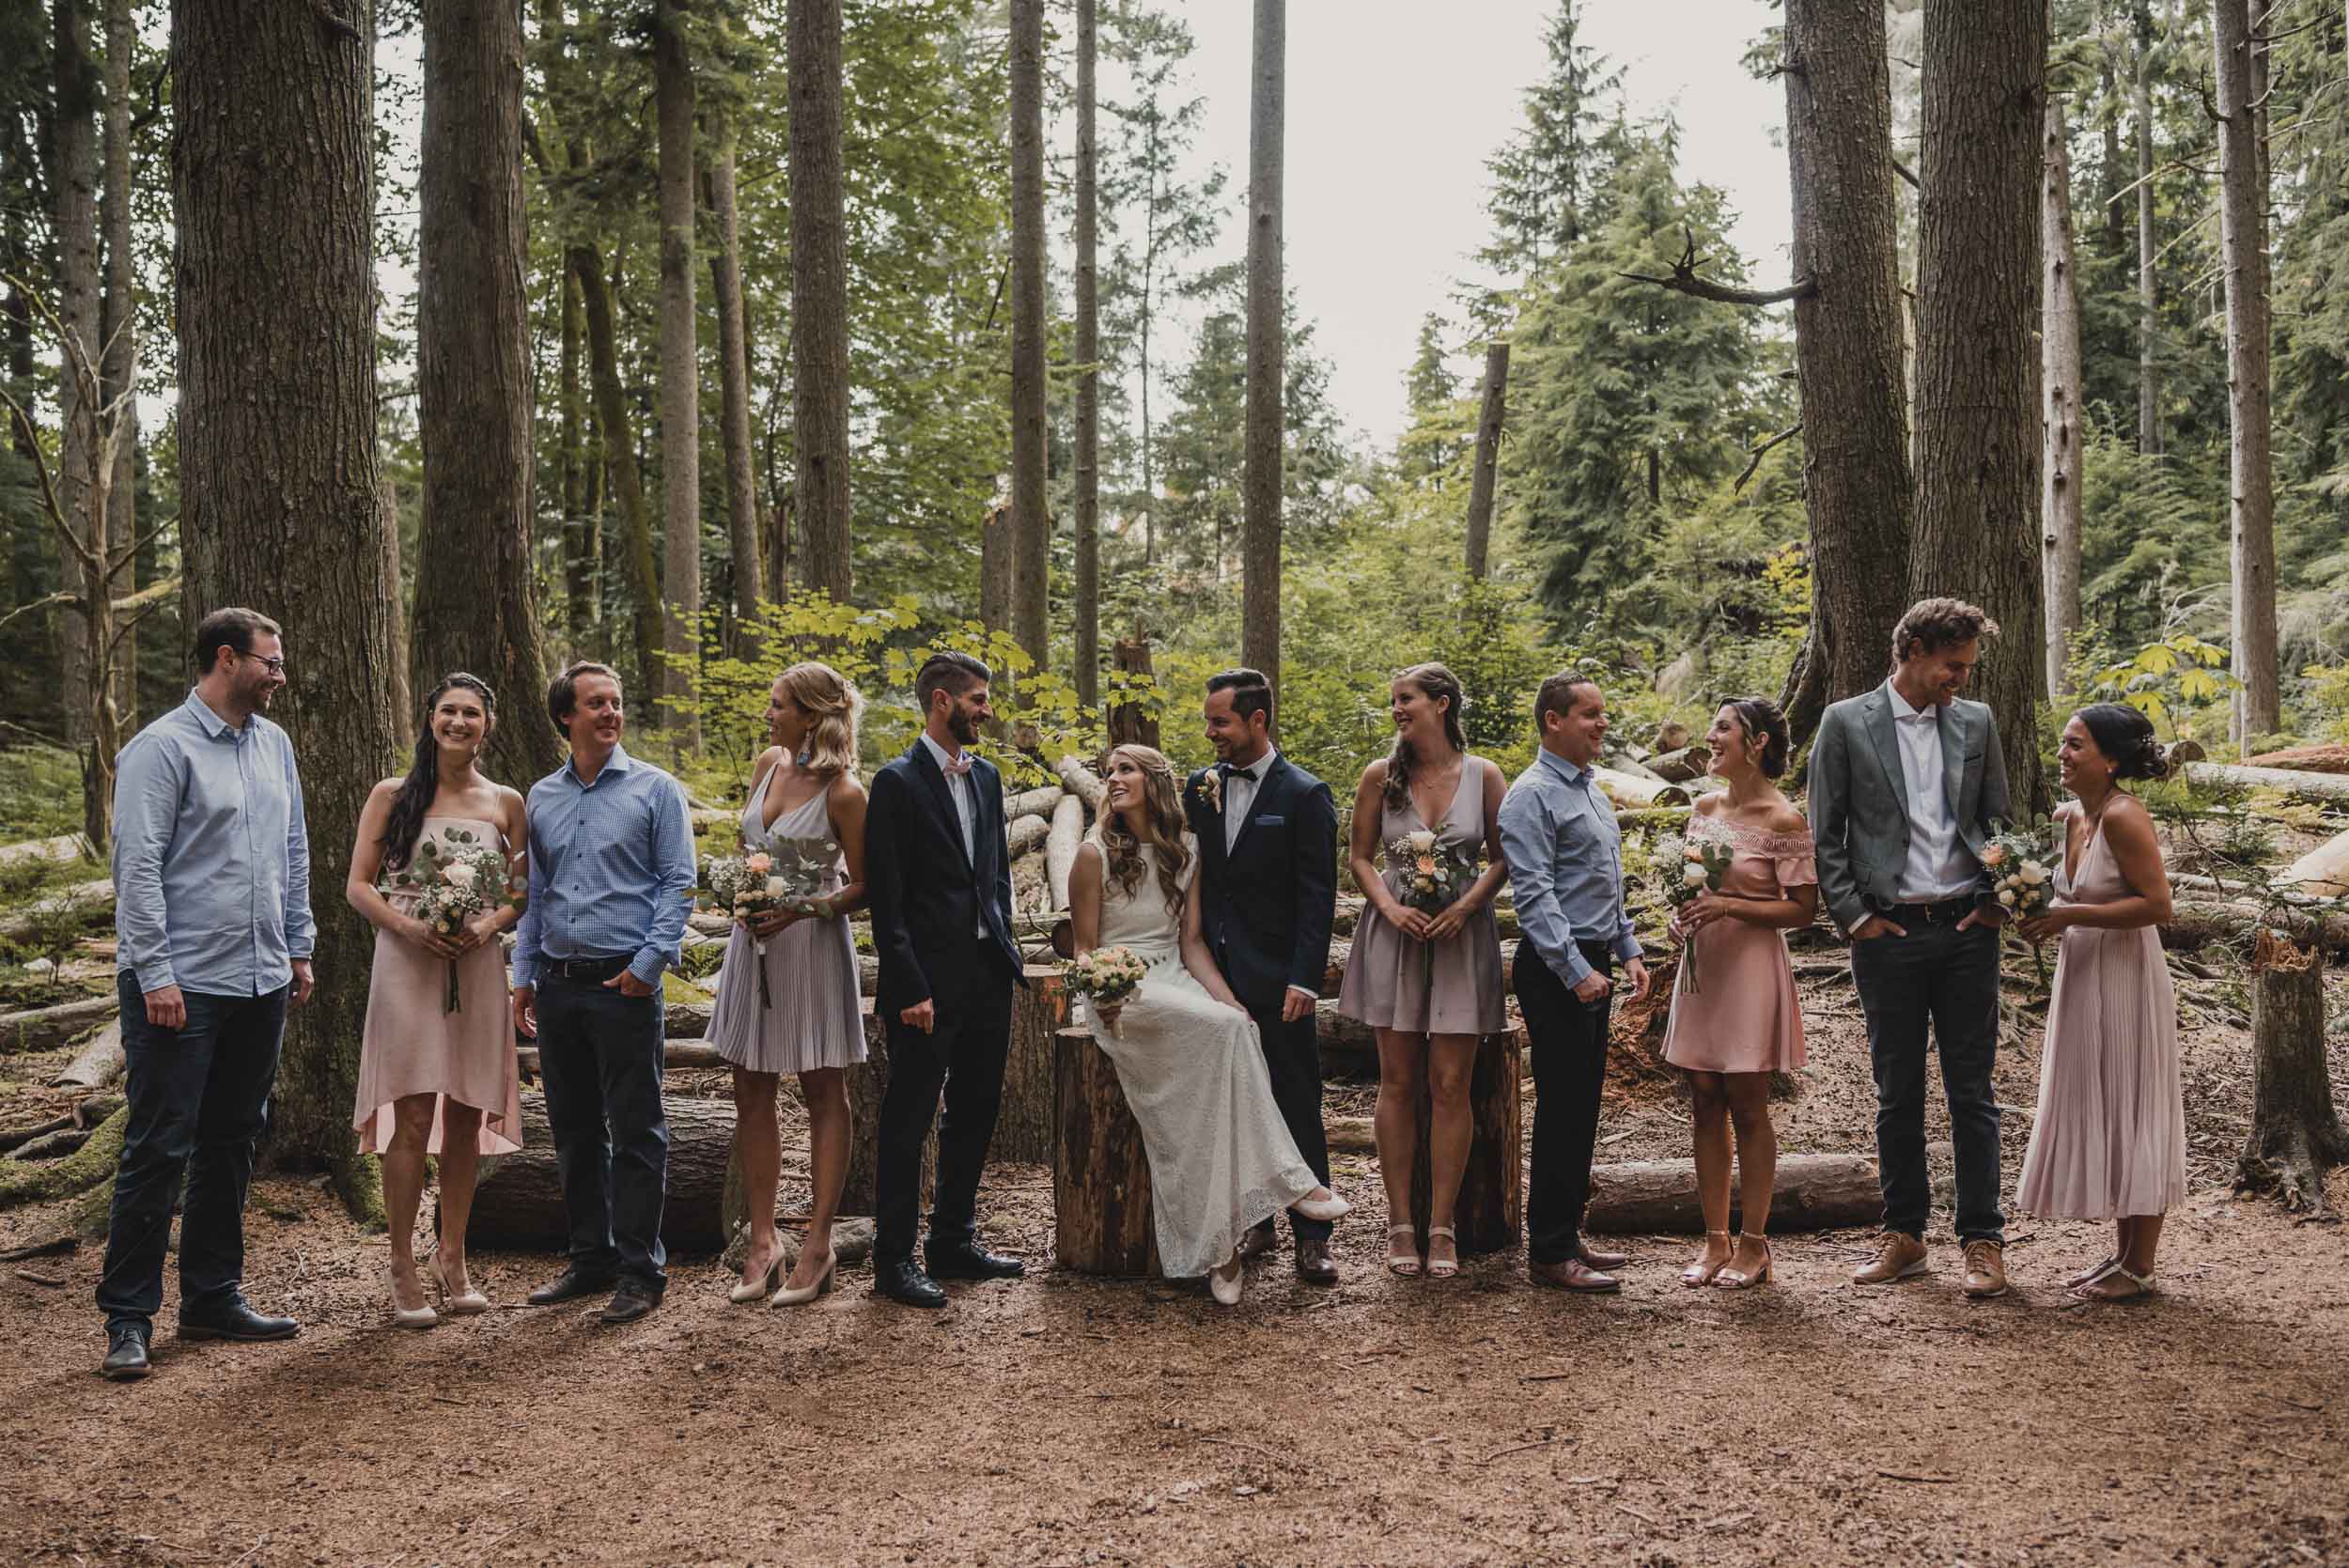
1211 789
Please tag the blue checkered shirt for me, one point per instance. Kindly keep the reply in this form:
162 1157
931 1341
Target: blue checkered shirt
1566 865
611 869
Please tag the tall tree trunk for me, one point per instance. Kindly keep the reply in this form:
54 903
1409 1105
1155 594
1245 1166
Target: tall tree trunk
1260 552
995 552
2059 380
680 377
1031 525
2243 244
626 479
392 583
273 190
1486 473
2148 249
476 592
1088 349
118 330
2115 224
734 381
76 207
819 302
1848 349
1977 364
580 608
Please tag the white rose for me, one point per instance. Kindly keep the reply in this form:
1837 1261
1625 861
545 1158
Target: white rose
777 887
2007 898
2033 873
1693 877
1421 841
460 875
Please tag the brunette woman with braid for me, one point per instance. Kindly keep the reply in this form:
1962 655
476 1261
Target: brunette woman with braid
437 1079
1427 981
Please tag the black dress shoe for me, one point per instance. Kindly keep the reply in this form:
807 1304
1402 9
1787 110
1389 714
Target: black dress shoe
631 1302
1257 1241
126 1353
971 1260
235 1319
1314 1263
900 1281
569 1286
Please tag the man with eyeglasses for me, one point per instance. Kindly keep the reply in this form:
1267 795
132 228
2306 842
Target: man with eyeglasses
212 870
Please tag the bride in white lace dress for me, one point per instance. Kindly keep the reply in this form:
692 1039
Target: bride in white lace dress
1187 1054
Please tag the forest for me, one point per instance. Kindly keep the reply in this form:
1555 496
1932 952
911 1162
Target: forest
697 337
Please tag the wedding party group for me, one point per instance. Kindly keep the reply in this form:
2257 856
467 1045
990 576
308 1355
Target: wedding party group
1202 908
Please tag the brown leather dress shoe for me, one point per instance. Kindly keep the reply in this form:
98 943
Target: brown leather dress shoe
1573 1274
1602 1261
1898 1256
1256 1241
1314 1263
1985 1269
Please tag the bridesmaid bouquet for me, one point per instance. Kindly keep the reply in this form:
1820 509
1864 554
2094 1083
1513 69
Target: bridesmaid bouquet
455 881
1430 874
2020 862
1105 976
741 887
802 865
1691 867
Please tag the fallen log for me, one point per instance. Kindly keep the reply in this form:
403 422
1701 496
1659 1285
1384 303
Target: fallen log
2324 871
1028 834
1060 847
46 1027
1033 802
1081 782
99 1062
54 1145
87 1167
87 901
519 1201
2299 759
2195 921
16 1137
63 848
1813 1192
1680 766
1629 790
2329 788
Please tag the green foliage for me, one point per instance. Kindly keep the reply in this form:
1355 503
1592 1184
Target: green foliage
2173 682
41 791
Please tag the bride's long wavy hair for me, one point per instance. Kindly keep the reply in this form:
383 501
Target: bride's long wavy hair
1165 818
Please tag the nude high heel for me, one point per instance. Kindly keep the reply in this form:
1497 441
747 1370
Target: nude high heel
466 1303
413 1317
800 1296
1698 1273
739 1293
1404 1264
1734 1279
1441 1268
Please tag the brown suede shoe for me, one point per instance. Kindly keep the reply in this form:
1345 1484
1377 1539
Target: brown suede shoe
1898 1256
1602 1261
1314 1263
1573 1274
1985 1269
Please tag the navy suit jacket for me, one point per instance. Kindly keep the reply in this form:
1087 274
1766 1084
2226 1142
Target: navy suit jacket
928 894
1265 903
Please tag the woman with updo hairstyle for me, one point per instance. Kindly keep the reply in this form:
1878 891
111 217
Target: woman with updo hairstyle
2110 1140
1734 1017
805 807
436 1079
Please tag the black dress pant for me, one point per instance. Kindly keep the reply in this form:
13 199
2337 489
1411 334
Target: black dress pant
599 1055
1292 1059
1566 1038
960 1059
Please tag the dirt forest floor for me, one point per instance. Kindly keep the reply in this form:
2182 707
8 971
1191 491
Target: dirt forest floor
1066 1421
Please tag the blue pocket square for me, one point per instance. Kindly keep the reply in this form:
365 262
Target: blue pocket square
1271 821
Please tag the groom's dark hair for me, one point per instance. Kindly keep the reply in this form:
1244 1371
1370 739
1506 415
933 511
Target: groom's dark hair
1250 692
949 672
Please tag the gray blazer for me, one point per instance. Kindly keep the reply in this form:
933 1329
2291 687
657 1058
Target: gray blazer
1860 799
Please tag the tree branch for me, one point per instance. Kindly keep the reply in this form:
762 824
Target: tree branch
1909 173
60 600
336 25
1761 451
134 608
1684 280
154 109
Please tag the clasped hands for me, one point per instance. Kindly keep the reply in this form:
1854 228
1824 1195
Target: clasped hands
483 927
1446 922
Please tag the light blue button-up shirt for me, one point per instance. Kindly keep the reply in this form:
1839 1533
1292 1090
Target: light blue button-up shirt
211 856
611 866
1557 833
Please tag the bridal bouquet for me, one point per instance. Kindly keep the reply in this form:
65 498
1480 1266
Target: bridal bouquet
1106 977
454 879
741 887
1688 868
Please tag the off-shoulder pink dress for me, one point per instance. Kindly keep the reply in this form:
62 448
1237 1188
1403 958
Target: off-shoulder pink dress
1745 1018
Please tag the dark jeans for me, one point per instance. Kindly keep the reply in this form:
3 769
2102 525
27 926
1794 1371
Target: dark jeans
198 1097
1566 1038
600 1056
1292 1059
962 1060
1946 981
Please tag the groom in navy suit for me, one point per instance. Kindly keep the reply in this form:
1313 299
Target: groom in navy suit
937 873
1268 835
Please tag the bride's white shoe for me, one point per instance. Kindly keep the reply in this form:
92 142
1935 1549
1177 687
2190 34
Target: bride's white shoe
1326 1209
1223 1283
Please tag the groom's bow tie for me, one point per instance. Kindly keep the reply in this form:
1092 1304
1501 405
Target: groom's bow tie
956 766
1225 769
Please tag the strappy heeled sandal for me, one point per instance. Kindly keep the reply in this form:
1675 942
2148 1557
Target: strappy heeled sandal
2086 1276
1737 1278
1404 1264
1700 1272
1442 1268
2142 1283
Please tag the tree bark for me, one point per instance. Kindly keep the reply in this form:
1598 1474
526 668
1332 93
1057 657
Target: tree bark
476 584
995 550
1489 1214
2059 379
2243 244
1488 472
819 301
1088 350
733 364
626 481
1813 1192
118 330
2148 249
1131 722
1977 452
519 1204
1031 526
273 188
76 211
681 379
1025 1126
1260 553
392 583
578 470
2296 1133
1857 484
1101 1221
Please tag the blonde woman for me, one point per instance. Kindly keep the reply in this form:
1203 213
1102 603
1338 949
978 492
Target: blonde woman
1187 1054
805 1019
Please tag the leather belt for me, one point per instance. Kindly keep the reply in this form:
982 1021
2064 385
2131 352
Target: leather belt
1946 910
591 972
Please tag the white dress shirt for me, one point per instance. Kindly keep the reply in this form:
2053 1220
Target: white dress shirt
1938 867
1239 792
966 801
